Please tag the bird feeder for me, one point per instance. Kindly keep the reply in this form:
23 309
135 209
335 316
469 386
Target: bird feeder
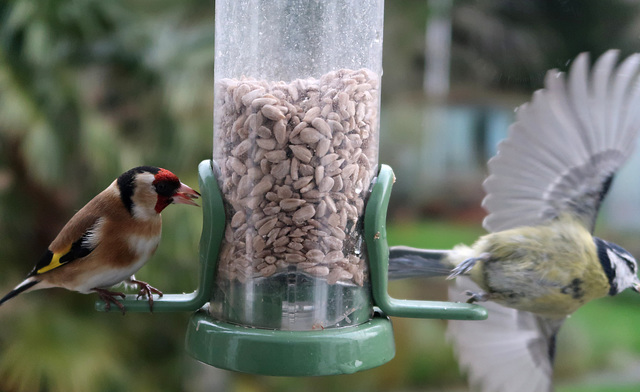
293 254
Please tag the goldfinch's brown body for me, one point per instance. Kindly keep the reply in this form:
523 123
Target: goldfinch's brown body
111 237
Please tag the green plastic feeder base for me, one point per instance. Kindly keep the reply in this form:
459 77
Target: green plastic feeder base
320 352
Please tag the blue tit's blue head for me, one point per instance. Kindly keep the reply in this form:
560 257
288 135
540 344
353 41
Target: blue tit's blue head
619 265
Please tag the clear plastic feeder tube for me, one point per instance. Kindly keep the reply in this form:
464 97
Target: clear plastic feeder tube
297 98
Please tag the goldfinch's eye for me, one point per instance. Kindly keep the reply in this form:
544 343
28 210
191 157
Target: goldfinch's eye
164 188
161 187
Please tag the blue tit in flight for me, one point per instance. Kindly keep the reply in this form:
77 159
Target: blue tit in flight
540 261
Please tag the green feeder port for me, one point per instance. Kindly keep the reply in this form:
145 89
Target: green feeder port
276 352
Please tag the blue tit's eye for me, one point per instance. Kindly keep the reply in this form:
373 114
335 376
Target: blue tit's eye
632 266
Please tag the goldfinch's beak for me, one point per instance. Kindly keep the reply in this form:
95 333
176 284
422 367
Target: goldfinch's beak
185 195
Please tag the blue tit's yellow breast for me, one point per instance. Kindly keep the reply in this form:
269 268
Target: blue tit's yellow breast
550 269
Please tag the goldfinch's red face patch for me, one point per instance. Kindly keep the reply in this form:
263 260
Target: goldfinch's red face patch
171 190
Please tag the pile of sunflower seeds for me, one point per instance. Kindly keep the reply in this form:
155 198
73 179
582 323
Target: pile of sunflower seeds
296 163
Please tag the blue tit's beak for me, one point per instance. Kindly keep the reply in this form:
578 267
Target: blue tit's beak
636 287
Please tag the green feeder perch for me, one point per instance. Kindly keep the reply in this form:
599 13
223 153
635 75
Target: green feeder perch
294 254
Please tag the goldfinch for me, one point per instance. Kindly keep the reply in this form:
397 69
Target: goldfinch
541 262
110 238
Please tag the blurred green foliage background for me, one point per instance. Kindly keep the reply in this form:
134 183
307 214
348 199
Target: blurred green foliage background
90 88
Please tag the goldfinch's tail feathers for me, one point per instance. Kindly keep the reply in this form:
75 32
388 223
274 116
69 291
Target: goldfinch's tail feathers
22 287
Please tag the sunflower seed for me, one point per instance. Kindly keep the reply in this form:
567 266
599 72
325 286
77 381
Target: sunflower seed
237 165
263 186
319 174
241 148
272 112
301 182
291 204
321 210
302 153
338 274
260 102
258 243
311 114
285 192
280 131
281 169
315 255
276 156
326 184
303 214
264 132
251 95
333 243
322 126
310 135
319 271
267 144
268 270
267 226
238 219
293 258
328 159
244 186
298 128
333 257
323 147
282 241
295 245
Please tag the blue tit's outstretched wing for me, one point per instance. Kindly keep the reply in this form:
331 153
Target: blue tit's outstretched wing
565 146
509 351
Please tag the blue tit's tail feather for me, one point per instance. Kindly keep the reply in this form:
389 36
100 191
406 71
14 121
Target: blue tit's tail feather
406 262
22 287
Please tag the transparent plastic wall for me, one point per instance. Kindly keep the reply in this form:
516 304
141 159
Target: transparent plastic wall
297 98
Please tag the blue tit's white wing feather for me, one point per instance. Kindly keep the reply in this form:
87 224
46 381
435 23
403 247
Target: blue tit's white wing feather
577 92
509 351
558 102
565 146
625 97
536 131
602 97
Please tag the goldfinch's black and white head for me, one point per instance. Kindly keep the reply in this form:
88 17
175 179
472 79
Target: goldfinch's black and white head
619 265
146 190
